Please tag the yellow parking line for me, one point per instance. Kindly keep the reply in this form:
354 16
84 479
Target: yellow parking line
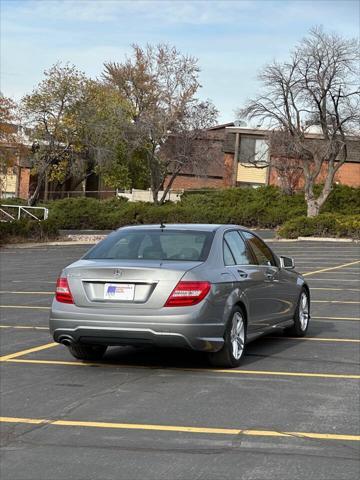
34 307
177 428
193 370
331 268
68 362
339 280
335 301
5 358
318 339
349 275
337 289
26 293
355 319
289 374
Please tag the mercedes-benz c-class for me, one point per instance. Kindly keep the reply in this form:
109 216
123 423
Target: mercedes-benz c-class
211 288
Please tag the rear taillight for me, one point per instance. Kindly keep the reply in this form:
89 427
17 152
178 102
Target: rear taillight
188 293
62 293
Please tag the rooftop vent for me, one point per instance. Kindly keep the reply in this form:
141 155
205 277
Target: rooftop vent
240 123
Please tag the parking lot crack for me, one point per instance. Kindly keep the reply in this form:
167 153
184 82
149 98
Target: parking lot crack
80 403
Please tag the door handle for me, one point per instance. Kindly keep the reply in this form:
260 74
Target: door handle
271 276
242 274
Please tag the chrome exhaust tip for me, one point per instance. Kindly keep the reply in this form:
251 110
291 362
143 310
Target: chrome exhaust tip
67 341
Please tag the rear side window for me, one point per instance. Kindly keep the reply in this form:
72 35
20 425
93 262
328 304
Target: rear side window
228 256
174 245
235 250
261 251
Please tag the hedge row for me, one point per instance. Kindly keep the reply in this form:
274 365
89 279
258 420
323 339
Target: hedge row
324 225
27 230
264 207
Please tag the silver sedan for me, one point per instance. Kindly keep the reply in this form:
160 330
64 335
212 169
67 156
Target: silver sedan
211 288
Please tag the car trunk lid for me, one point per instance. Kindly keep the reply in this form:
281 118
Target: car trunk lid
117 284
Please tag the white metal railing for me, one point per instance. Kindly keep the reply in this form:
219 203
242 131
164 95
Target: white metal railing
23 210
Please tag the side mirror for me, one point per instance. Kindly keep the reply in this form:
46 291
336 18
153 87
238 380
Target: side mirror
287 263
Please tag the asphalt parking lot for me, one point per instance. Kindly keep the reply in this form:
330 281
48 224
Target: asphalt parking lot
290 412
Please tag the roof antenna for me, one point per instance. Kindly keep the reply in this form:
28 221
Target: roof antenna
162 226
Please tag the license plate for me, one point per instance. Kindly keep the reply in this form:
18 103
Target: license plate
119 291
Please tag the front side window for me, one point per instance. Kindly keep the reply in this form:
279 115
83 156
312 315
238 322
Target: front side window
261 251
235 247
146 244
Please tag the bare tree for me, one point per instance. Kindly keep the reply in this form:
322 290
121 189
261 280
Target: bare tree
188 149
159 83
289 172
317 86
283 160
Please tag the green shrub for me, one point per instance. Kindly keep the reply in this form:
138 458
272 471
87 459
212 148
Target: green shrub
324 225
344 200
27 230
264 207
84 212
13 201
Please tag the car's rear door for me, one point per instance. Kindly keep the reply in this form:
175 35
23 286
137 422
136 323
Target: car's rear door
250 280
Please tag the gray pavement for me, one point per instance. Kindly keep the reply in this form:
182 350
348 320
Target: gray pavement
162 414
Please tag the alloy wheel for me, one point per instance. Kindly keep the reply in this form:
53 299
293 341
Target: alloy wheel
304 311
237 335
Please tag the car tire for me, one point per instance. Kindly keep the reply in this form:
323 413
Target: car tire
87 352
233 349
301 317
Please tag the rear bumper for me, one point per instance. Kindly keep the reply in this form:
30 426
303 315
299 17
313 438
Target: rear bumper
197 328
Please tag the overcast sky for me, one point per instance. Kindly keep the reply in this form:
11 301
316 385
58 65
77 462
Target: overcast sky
231 39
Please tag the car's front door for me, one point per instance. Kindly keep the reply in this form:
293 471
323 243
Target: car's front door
276 303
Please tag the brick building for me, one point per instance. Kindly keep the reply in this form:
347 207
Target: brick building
231 148
212 176
242 145
234 150
15 162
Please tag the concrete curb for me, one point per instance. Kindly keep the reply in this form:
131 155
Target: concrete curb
64 243
327 239
86 238
313 239
65 233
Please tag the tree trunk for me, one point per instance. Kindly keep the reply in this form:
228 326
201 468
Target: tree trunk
169 185
46 187
312 208
34 197
155 195
314 204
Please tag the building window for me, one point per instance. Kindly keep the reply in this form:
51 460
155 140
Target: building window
253 150
253 160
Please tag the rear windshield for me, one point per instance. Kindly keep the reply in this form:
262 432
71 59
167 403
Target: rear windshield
154 244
